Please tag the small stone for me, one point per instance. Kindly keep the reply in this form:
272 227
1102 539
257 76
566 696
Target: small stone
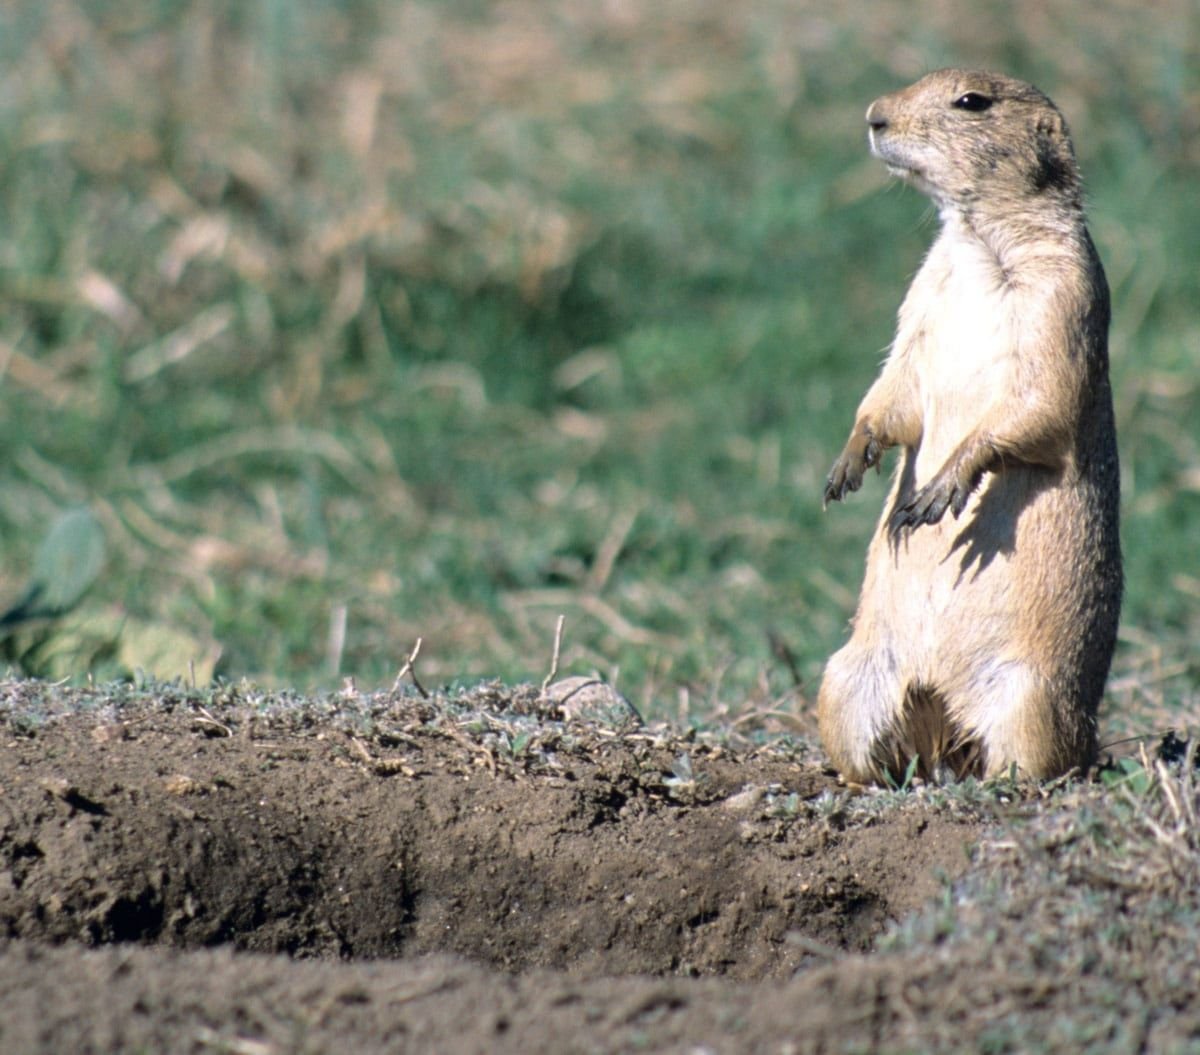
591 699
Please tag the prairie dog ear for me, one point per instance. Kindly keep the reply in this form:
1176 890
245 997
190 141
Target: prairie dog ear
1051 125
1055 163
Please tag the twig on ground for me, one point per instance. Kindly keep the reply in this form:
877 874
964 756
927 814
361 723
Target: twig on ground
203 716
558 632
383 767
210 1038
410 668
336 647
1157 734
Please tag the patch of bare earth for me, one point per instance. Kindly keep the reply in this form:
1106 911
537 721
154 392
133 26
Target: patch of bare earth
264 875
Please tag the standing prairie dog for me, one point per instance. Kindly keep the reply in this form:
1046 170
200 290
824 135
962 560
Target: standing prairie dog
988 613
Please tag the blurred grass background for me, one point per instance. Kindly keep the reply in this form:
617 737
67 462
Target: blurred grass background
359 322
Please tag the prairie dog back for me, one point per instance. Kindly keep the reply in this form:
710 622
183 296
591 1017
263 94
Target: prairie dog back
989 607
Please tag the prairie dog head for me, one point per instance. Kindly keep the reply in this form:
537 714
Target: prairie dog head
974 140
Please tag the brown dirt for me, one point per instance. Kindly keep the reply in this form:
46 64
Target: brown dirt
501 879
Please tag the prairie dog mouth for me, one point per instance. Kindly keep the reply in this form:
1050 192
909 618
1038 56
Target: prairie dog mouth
896 165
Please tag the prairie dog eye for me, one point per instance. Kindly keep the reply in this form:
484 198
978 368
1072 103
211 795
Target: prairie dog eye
973 101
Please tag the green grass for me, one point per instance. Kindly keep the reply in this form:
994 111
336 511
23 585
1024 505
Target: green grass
461 317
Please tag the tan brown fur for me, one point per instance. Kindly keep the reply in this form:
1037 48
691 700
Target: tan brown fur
989 608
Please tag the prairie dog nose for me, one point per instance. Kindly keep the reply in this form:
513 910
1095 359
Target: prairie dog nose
876 118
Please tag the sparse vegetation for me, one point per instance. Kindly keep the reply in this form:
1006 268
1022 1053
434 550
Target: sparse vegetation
1094 905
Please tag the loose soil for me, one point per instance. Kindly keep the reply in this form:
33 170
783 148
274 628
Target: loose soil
253 874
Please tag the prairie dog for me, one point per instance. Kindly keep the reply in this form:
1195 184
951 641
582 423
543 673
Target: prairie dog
989 607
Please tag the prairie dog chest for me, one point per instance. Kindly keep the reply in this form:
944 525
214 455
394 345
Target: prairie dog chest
958 332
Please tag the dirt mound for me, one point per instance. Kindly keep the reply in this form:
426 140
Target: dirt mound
392 828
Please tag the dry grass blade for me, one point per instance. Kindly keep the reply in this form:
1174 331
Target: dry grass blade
553 672
284 441
177 346
409 669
